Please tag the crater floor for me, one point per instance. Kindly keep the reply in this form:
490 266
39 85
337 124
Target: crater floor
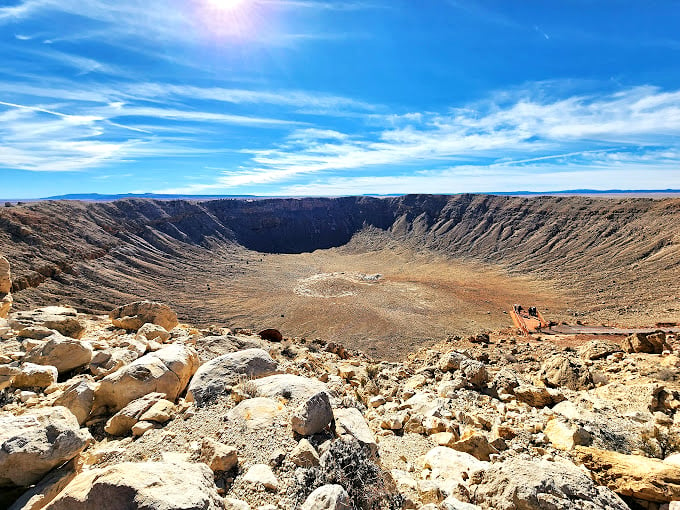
337 295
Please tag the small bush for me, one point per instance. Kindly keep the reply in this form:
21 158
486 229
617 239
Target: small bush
600 378
246 386
348 464
663 374
660 443
288 352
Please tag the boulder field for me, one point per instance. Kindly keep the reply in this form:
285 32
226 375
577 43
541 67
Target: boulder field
135 410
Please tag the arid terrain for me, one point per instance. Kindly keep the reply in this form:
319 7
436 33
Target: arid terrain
447 265
134 372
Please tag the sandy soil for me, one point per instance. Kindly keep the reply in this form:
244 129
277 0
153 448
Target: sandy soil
384 302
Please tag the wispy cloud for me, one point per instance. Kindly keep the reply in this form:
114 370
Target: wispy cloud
315 4
519 133
165 21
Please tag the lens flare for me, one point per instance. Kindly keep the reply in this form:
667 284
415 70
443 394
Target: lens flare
229 20
226 5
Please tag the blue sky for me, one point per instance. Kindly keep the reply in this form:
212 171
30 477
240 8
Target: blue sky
322 97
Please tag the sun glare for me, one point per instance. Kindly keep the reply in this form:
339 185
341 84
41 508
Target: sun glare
226 5
234 20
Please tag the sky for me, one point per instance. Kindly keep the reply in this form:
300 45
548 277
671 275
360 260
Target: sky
325 97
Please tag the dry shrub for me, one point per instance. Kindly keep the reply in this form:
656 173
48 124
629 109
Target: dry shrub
350 465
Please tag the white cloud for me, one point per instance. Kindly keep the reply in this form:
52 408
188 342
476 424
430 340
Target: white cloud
526 130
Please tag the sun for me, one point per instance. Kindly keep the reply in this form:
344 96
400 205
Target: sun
226 5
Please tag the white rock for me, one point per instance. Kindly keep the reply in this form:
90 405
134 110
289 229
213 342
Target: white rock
328 497
261 474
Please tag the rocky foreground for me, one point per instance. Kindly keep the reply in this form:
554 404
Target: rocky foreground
136 411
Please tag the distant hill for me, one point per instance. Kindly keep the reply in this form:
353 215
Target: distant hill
156 196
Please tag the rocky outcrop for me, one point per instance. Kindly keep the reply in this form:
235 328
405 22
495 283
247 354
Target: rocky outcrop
59 318
134 315
335 428
61 352
350 423
633 475
148 485
165 371
218 376
598 349
35 376
651 343
288 386
122 422
5 288
447 463
33 443
78 397
539 484
313 415
563 371
218 456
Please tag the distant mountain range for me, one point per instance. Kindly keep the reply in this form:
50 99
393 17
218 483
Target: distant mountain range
98 197
157 196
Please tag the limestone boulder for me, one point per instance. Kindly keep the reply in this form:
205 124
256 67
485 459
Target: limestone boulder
289 386
451 503
5 276
108 361
447 463
565 435
7 375
5 330
36 332
134 315
328 497
150 331
451 361
538 396
304 455
505 381
122 422
6 301
474 372
218 456
633 475
48 488
350 422
78 398
62 319
313 415
167 371
598 349
160 412
562 371
61 352
476 444
256 413
33 443
537 485
650 343
261 475
35 376
218 376
143 485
